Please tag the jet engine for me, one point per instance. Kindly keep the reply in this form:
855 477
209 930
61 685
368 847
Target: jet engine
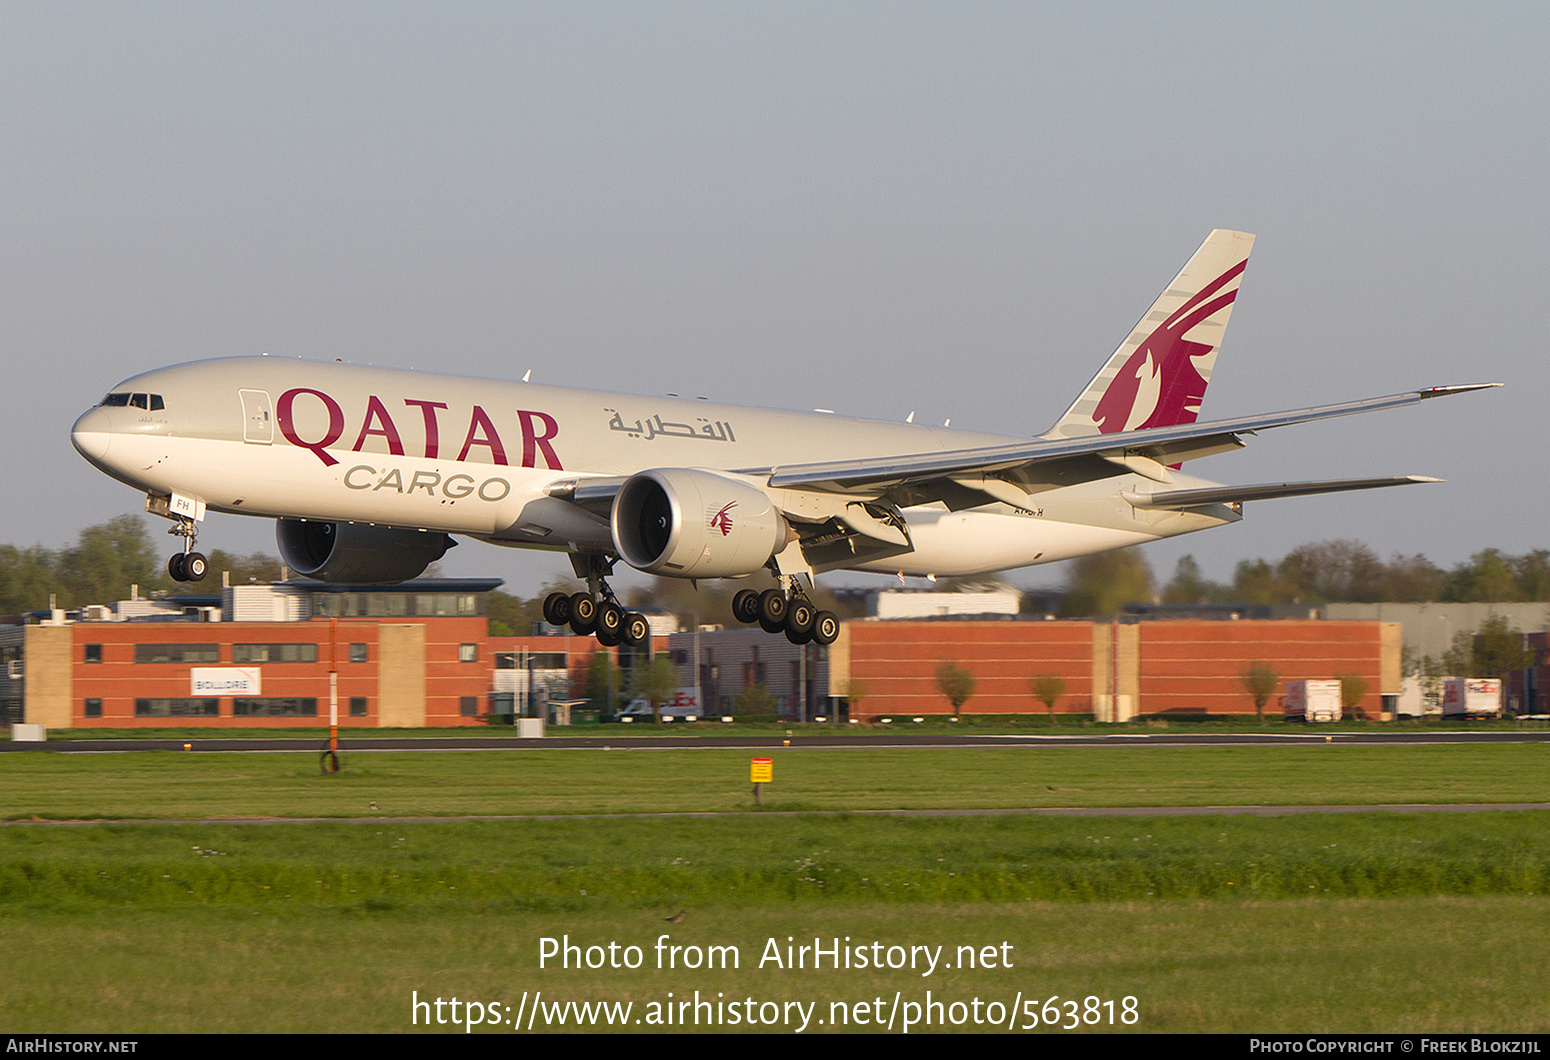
356 552
687 523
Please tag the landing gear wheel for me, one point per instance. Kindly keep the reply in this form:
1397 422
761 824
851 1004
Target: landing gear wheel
557 609
583 614
610 620
177 568
745 606
609 639
772 610
799 618
826 627
195 566
799 637
636 629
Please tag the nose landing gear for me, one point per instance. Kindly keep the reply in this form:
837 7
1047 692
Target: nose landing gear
188 565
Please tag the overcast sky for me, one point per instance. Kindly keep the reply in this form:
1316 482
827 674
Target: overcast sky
955 209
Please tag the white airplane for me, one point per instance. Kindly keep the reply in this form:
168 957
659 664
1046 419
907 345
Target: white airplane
368 470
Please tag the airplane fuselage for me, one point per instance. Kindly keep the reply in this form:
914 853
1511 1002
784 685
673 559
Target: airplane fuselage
328 441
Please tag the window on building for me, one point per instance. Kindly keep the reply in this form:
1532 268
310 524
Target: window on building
273 653
468 653
94 653
177 708
357 653
177 653
275 707
468 706
357 706
94 708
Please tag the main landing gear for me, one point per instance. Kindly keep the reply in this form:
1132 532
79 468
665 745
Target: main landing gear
597 612
188 565
793 615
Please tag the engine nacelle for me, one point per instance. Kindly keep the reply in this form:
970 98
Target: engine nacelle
685 523
356 552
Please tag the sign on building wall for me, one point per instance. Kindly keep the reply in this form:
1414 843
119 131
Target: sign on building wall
224 681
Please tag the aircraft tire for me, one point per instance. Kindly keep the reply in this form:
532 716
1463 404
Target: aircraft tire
772 610
799 618
745 606
637 630
608 638
610 619
826 627
196 566
583 614
557 609
176 568
799 636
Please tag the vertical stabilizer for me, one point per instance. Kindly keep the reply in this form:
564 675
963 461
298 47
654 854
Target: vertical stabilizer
1158 376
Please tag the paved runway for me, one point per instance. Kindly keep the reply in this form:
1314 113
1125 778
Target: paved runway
804 738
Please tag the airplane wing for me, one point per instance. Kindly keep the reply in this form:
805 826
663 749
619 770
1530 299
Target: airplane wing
1010 473
1174 500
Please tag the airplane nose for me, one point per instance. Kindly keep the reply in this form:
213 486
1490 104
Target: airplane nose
91 436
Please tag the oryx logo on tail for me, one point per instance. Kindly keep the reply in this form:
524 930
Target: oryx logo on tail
1160 385
1158 375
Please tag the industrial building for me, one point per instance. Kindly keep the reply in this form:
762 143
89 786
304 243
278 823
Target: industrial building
420 654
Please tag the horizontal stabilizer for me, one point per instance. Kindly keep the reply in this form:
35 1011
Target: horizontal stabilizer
1176 499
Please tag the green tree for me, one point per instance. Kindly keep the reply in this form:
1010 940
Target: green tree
656 682
855 691
512 615
956 683
1103 583
755 699
1412 580
106 560
1498 649
1255 582
1260 681
26 578
1342 570
1353 689
602 681
1189 585
1488 577
1047 689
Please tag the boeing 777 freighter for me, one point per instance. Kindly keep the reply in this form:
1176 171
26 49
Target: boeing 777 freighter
369 470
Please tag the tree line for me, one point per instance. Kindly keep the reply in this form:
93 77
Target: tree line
104 563
109 558
1335 571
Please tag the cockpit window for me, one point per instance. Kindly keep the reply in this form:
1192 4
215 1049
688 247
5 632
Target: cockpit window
150 402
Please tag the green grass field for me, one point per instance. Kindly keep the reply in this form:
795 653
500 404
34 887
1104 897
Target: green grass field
1310 923
170 784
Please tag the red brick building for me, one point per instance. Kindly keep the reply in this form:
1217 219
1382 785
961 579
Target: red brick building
1113 671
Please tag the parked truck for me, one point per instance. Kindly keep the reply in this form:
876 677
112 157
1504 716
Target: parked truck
1472 697
1312 701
